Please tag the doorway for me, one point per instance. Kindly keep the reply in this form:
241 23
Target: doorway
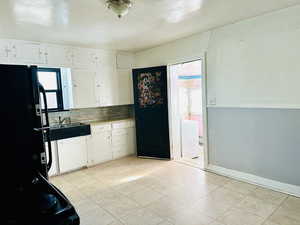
187 92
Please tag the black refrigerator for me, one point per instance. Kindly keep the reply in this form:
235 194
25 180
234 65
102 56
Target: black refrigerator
27 196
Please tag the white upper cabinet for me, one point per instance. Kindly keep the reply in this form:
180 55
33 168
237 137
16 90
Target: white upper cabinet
83 88
99 77
95 59
124 66
57 55
125 60
105 88
28 52
106 83
85 58
5 51
125 87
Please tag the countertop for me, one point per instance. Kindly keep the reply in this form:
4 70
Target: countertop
91 122
106 121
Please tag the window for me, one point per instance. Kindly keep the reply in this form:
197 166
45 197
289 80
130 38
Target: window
50 78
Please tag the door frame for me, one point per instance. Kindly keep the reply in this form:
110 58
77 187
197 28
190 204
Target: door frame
175 152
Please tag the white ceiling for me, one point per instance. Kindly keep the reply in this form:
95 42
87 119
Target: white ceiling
149 22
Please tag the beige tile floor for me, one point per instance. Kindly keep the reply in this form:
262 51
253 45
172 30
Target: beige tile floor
134 191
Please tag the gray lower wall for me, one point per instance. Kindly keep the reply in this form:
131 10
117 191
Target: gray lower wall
263 142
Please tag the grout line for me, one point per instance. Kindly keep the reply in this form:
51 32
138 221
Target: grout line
275 210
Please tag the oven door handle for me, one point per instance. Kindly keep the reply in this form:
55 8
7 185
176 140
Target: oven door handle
42 129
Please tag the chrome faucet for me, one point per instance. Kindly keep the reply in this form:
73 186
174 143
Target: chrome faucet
65 119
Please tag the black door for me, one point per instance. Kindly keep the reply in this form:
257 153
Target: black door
151 112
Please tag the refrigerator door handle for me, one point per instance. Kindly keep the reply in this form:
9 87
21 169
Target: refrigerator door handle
46 129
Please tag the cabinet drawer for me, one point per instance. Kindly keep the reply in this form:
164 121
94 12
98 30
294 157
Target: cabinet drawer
123 124
100 128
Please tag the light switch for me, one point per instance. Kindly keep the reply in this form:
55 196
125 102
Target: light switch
212 101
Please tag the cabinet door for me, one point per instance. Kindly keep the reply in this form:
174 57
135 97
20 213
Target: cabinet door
57 55
99 149
83 88
4 51
120 143
28 52
131 141
125 63
123 138
72 153
105 90
100 98
125 87
106 83
54 170
84 58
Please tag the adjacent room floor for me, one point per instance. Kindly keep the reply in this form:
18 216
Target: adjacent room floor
197 162
134 191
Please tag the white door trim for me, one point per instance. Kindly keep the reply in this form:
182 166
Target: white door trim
174 151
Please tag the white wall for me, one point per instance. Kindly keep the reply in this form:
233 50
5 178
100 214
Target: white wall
251 64
173 52
255 62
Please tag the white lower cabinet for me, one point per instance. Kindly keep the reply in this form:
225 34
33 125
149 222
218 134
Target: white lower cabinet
111 140
123 142
131 141
108 141
72 153
54 170
120 143
99 148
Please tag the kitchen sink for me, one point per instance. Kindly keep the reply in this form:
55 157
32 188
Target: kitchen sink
59 126
70 130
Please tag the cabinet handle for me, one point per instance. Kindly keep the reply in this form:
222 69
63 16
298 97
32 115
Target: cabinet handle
7 51
15 54
46 57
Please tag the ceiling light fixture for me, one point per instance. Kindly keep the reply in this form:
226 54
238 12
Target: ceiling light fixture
120 7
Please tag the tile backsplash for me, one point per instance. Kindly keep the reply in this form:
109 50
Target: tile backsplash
94 114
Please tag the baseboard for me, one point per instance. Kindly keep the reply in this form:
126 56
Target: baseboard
253 179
